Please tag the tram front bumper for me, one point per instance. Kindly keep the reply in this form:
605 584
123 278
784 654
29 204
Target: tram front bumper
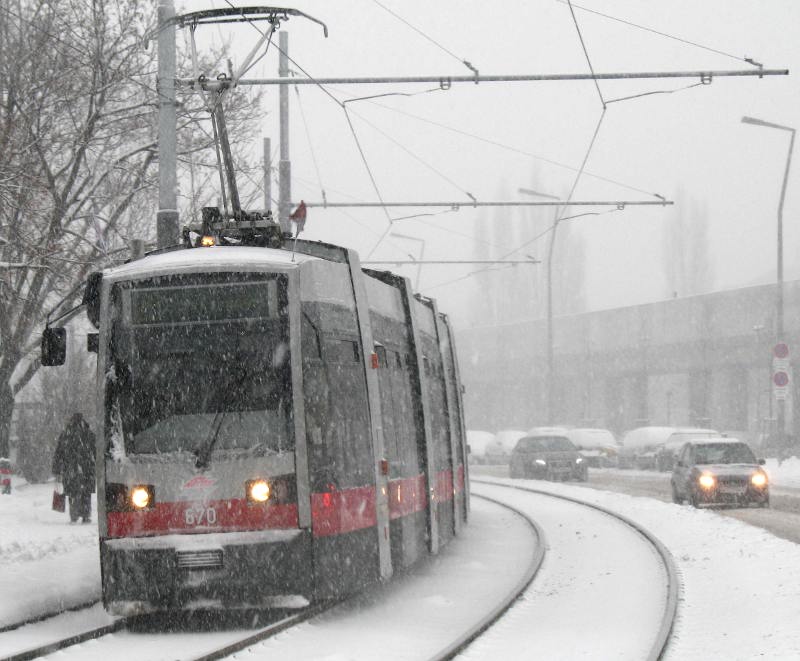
206 570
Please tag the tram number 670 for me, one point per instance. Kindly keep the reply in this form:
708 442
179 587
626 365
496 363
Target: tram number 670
198 516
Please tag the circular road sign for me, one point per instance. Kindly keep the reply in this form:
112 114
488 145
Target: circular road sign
780 379
780 350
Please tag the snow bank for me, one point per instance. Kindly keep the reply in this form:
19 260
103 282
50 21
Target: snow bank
46 563
785 474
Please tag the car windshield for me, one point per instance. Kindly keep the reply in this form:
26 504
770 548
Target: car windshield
723 453
199 361
545 444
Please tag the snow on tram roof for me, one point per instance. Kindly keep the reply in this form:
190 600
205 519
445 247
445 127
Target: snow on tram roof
223 258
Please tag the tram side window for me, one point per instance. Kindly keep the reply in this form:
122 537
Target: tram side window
341 351
388 409
348 428
310 340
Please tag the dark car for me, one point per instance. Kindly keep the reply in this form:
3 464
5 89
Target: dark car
722 471
548 457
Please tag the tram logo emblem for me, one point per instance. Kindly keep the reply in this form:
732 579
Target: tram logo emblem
199 483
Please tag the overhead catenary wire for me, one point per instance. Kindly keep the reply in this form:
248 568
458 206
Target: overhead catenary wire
643 94
509 148
342 105
462 60
411 153
659 33
310 143
586 53
579 174
520 247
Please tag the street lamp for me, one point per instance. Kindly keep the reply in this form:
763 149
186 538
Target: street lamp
779 301
550 351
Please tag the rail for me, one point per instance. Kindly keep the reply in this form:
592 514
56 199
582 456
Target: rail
661 641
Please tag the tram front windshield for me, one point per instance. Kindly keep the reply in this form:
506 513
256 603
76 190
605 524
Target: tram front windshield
199 362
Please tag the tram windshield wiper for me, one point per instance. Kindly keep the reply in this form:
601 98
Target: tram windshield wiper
232 389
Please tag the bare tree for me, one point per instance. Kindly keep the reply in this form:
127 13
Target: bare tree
78 139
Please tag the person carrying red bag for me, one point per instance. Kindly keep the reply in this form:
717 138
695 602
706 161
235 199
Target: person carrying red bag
73 465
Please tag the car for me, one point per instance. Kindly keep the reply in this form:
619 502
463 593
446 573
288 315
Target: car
598 446
665 455
550 456
719 471
477 442
653 448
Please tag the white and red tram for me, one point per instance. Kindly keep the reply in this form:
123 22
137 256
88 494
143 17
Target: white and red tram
274 425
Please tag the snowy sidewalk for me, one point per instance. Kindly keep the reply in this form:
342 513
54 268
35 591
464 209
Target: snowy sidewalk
47 564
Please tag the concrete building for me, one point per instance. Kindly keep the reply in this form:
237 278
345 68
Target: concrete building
701 361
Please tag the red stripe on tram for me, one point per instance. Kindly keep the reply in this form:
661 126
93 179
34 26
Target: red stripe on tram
233 515
337 512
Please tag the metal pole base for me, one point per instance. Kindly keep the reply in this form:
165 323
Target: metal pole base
167 230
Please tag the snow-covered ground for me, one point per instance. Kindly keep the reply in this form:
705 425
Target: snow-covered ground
46 562
740 594
785 474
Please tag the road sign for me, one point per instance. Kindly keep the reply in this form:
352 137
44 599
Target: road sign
780 379
781 350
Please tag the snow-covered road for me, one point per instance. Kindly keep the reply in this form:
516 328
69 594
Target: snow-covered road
412 617
586 602
740 599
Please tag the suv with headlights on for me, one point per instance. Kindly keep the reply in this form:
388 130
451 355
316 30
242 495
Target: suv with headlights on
719 471
547 456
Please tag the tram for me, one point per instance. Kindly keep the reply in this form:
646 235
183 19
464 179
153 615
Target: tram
278 427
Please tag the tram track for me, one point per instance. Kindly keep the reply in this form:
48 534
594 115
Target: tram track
660 640
134 624
46 616
469 634
64 643
115 643
494 614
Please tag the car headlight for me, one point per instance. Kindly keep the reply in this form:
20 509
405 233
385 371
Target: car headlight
707 481
541 462
258 491
758 479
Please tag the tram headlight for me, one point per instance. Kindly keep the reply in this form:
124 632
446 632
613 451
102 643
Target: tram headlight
758 479
707 481
142 497
258 491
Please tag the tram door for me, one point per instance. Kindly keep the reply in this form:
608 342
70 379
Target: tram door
341 470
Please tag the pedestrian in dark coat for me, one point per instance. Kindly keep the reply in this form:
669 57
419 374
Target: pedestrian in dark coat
73 465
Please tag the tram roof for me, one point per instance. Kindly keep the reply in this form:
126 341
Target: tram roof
217 258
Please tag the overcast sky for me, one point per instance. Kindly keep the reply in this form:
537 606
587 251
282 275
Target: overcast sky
690 142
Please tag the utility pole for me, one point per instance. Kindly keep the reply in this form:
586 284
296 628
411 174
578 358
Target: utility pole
167 215
284 165
267 174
